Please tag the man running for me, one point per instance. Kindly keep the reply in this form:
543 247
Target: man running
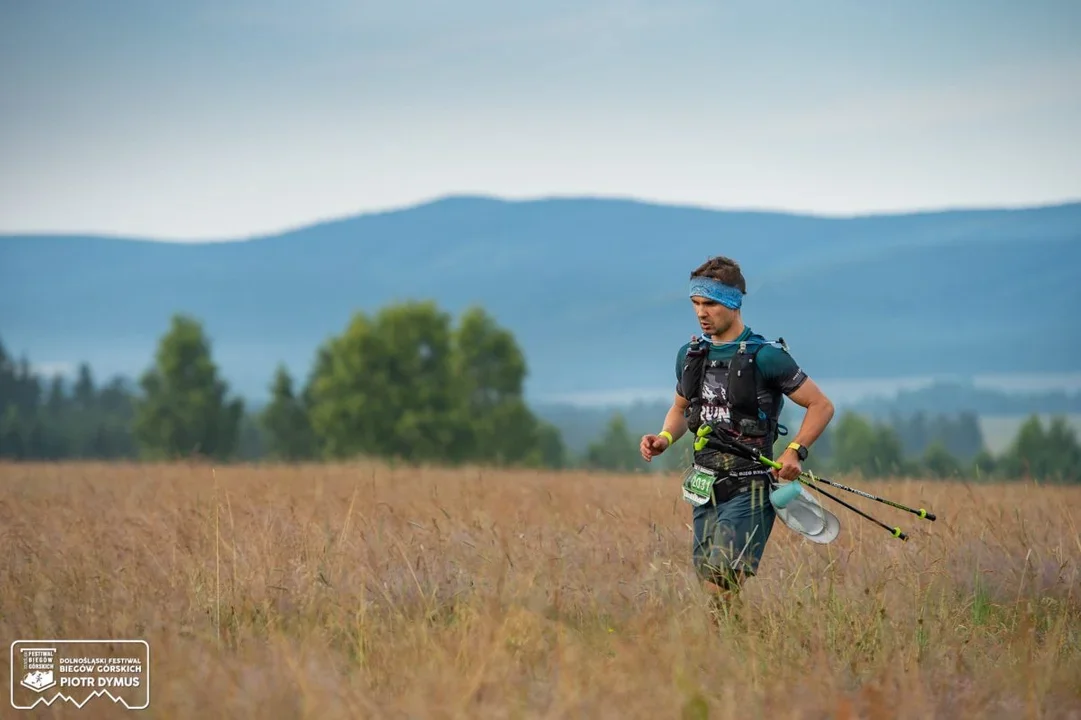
734 380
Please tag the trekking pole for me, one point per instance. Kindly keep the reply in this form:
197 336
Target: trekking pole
752 454
895 531
737 448
918 513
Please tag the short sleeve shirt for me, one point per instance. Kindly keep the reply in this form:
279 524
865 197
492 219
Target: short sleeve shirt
776 364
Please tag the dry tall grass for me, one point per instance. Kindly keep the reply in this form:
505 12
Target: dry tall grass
363 592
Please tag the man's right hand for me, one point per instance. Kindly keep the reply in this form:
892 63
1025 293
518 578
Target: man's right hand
652 445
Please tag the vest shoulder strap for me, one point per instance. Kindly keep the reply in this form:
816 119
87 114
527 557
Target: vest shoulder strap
694 368
745 384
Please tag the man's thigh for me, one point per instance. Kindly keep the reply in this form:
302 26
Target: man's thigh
732 536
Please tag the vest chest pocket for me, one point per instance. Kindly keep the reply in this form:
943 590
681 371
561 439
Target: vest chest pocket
698 485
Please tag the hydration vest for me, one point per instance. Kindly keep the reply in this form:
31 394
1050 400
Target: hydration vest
731 397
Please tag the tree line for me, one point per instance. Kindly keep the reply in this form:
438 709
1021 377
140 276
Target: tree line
408 383
940 447
949 447
404 384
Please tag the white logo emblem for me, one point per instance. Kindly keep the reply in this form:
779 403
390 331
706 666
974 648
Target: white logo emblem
40 667
77 671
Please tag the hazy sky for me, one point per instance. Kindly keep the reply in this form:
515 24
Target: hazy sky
225 118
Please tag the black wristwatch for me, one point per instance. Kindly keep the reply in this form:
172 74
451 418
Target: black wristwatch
801 452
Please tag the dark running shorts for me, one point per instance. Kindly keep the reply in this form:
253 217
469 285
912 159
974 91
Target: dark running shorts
731 536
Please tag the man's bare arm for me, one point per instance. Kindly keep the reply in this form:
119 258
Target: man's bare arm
674 422
819 412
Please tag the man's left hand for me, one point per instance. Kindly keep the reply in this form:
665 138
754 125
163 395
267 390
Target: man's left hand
790 466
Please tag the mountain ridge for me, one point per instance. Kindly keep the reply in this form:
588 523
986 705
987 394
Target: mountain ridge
563 274
313 223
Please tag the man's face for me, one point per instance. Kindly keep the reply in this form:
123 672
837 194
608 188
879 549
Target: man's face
713 317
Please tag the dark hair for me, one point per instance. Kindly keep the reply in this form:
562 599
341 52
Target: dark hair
724 270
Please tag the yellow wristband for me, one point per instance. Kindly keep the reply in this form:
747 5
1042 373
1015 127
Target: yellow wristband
666 434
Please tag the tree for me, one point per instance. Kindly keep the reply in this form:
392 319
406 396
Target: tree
56 399
490 371
938 461
184 409
967 441
984 465
550 450
84 388
1062 443
285 421
915 432
405 384
1028 454
19 386
615 450
12 434
385 387
1052 454
959 434
873 450
20 394
41 420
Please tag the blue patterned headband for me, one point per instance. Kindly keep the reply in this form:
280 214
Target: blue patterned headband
717 291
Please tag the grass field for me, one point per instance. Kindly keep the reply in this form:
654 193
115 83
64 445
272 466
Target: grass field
364 592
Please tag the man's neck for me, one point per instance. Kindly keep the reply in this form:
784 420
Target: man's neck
730 334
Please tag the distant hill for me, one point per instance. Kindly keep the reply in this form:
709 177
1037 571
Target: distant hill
593 289
955 397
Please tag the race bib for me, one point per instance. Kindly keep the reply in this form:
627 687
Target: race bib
698 486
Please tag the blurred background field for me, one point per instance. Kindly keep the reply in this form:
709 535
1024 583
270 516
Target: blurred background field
364 590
